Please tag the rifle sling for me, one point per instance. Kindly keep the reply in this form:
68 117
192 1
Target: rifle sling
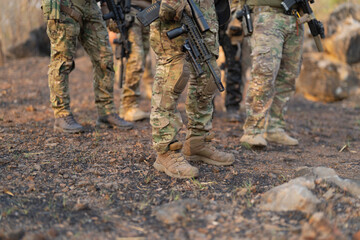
77 16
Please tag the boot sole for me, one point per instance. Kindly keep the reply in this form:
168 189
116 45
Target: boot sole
281 143
136 119
198 158
59 129
104 126
161 168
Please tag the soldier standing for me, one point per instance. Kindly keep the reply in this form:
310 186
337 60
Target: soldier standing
139 38
276 46
172 75
234 82
69 21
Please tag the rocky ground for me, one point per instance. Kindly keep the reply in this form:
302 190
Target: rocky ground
101 184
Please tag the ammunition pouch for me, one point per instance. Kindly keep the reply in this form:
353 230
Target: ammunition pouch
53 8
77 16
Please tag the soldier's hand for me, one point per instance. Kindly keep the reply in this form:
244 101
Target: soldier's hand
185 6
171 10
112 26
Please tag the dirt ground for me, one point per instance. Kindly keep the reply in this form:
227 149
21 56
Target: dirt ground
101 184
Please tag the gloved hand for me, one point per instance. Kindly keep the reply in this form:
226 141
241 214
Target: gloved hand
171 10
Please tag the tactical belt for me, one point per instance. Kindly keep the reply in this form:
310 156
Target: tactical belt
77 16
258 9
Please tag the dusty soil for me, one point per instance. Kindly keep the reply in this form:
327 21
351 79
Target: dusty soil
101 184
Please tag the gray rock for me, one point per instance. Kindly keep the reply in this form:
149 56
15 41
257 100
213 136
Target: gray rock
329 175
308 182
340 14
344 45
323 78
173 212
293 196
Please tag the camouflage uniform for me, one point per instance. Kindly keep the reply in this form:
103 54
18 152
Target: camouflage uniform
64 32
139 38
233 74
276 45
172 75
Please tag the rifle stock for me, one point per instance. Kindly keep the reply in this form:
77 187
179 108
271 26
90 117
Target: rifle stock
316 27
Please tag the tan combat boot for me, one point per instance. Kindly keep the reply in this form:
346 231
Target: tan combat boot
281 137
201 149
254 140
133 114
174 164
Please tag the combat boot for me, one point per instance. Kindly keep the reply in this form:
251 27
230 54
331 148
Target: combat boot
67 124
281 137
201 149
174 164
113 120
256 140
232 115
133 114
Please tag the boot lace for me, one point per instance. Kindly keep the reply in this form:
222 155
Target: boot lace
70 120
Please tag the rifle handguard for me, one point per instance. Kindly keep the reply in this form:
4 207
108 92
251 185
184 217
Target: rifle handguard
176 32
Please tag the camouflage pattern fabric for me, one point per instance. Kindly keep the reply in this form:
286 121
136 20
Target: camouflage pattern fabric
173 72
139 38
64 34
276 45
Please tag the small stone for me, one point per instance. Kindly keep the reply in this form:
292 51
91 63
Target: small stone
81 207
173 212
180 234
329 194
37 167
193 234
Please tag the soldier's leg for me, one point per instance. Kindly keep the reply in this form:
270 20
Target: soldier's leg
139 38
285 87
170 80
63 38
63 35
95 40
266 44
285 81
199 109
134 67
233 74
150 63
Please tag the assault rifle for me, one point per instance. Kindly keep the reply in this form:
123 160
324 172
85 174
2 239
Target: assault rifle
119 14
195 48
316 27
245 12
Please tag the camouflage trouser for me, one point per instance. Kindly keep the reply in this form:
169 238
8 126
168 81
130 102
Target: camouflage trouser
139 38
64 34
170 80
173 72
233 73
276 45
